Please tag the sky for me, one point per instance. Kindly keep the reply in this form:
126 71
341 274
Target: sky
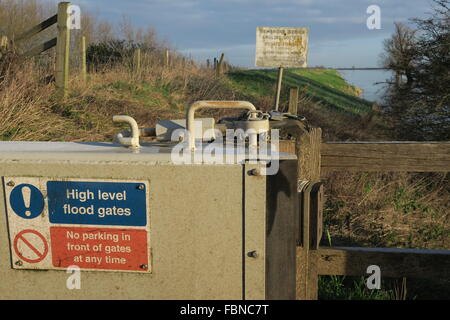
339 36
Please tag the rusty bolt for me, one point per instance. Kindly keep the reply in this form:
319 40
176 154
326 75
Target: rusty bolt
141 187
252 254
143 266
11 184
255 172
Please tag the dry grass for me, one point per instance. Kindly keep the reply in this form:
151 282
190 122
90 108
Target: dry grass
23 103
30 111
389 210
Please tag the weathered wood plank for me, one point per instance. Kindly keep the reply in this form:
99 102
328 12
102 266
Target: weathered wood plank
40 48
381 156
308 152
287 146
386 156
310 155
293 100
412 263
36 29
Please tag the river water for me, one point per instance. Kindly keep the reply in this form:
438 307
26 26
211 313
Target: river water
367 80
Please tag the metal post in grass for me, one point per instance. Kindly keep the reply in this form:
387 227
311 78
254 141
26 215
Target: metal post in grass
279 81
62 50
83 59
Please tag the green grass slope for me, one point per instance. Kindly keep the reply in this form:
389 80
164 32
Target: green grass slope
325 87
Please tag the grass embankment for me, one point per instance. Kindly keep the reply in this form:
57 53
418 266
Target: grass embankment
363 209
325 99
324 87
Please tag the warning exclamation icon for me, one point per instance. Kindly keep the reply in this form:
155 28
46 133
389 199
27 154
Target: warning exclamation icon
26 195
26 201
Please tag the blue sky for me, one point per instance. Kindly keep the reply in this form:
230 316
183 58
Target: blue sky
204 28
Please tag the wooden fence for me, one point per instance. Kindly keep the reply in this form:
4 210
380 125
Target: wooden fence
316 159
61 42
220 66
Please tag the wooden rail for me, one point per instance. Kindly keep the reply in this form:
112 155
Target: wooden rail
386 156
315 159
381 156
36 29
40 48
395 263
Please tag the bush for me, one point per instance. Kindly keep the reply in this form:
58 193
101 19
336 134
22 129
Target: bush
113 52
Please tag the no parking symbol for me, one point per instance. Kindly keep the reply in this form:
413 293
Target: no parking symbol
30 246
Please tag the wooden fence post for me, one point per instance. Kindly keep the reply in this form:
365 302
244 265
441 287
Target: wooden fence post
137 61
308 153
63 50
208 64
167 60
3 42
3 45
293 100
83 59
219 65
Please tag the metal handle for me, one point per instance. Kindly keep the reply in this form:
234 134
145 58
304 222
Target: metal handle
122 138
190 120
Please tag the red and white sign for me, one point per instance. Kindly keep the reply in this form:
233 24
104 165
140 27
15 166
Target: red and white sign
99 248
38 243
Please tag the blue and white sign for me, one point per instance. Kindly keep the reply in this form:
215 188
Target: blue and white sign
97 203
26 201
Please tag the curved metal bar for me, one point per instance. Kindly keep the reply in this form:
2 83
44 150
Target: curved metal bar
190 113
124 138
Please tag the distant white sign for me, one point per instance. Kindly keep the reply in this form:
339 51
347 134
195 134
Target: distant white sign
281 47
